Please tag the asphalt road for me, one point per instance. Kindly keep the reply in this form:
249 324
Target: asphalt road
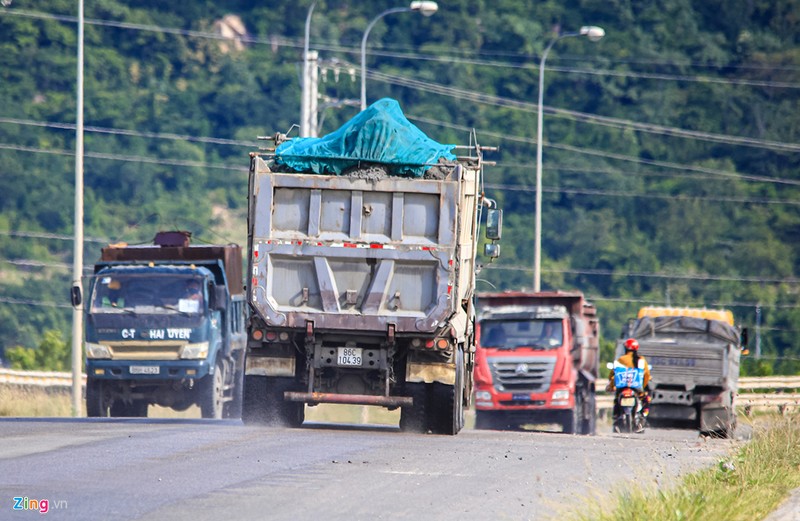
193 470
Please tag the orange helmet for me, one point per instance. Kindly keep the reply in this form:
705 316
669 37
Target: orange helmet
631 344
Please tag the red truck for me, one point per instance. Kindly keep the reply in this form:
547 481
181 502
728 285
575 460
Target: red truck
536 360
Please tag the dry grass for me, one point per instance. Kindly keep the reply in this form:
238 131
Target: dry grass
744 486
22 401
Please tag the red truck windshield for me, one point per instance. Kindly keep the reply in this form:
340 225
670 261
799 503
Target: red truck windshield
511 334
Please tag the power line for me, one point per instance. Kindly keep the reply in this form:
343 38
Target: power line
523 188
35 303
43 235
499 101
118 157
295 43
134 133
610 155
627 193
644 274
37 264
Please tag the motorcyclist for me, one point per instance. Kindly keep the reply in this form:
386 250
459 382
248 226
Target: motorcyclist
633 359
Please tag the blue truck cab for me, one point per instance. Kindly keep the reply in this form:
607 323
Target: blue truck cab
165 326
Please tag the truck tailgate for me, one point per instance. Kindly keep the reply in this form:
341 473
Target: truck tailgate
350 253
686 364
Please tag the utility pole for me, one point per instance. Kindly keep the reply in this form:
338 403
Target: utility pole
77 260
308 103
308 128
758 331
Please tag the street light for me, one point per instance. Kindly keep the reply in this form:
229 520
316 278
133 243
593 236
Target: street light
594 34
425 8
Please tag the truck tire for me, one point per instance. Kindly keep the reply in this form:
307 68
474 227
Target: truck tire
117 409
414 418
263 402
254 396
287 414
233 408
571 419
135 409
210 393
96 404
589 425
484 420
447 402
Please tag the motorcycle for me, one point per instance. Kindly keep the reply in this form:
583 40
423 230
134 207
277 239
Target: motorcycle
628 415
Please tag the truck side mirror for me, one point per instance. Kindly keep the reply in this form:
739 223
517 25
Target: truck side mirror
491 250
76 296
218 298
494 224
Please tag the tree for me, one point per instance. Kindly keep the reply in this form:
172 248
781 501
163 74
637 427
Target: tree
52 354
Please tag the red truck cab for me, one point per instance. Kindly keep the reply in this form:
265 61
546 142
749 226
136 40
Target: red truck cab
536 361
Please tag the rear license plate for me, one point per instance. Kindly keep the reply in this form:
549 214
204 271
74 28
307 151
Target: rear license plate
145 369
349 356
627 402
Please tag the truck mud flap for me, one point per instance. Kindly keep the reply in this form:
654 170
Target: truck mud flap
352 399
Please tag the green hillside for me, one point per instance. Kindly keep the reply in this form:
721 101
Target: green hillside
671 146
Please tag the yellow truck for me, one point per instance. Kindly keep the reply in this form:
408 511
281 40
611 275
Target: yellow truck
694 357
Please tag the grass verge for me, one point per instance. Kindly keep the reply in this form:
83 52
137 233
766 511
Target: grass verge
747 485
25 402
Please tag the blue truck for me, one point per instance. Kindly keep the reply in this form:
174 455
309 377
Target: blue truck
165 326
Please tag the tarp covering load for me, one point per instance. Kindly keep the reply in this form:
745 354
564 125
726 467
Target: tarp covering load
379 134
687 327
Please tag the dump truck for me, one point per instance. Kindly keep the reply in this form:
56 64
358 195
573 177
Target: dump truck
537 361
362 253
694 358
165 325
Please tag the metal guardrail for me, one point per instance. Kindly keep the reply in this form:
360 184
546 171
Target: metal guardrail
769 382
749 400
605 401
37 378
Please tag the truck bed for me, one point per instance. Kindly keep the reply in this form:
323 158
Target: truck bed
355 253
686 364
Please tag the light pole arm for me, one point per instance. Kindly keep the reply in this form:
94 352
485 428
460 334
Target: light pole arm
364 50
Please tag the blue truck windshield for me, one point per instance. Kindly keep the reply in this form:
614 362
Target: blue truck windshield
151 294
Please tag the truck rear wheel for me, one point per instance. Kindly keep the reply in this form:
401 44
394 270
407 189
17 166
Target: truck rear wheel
414 418
285 413
254 394
263 402
589 425
447 402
